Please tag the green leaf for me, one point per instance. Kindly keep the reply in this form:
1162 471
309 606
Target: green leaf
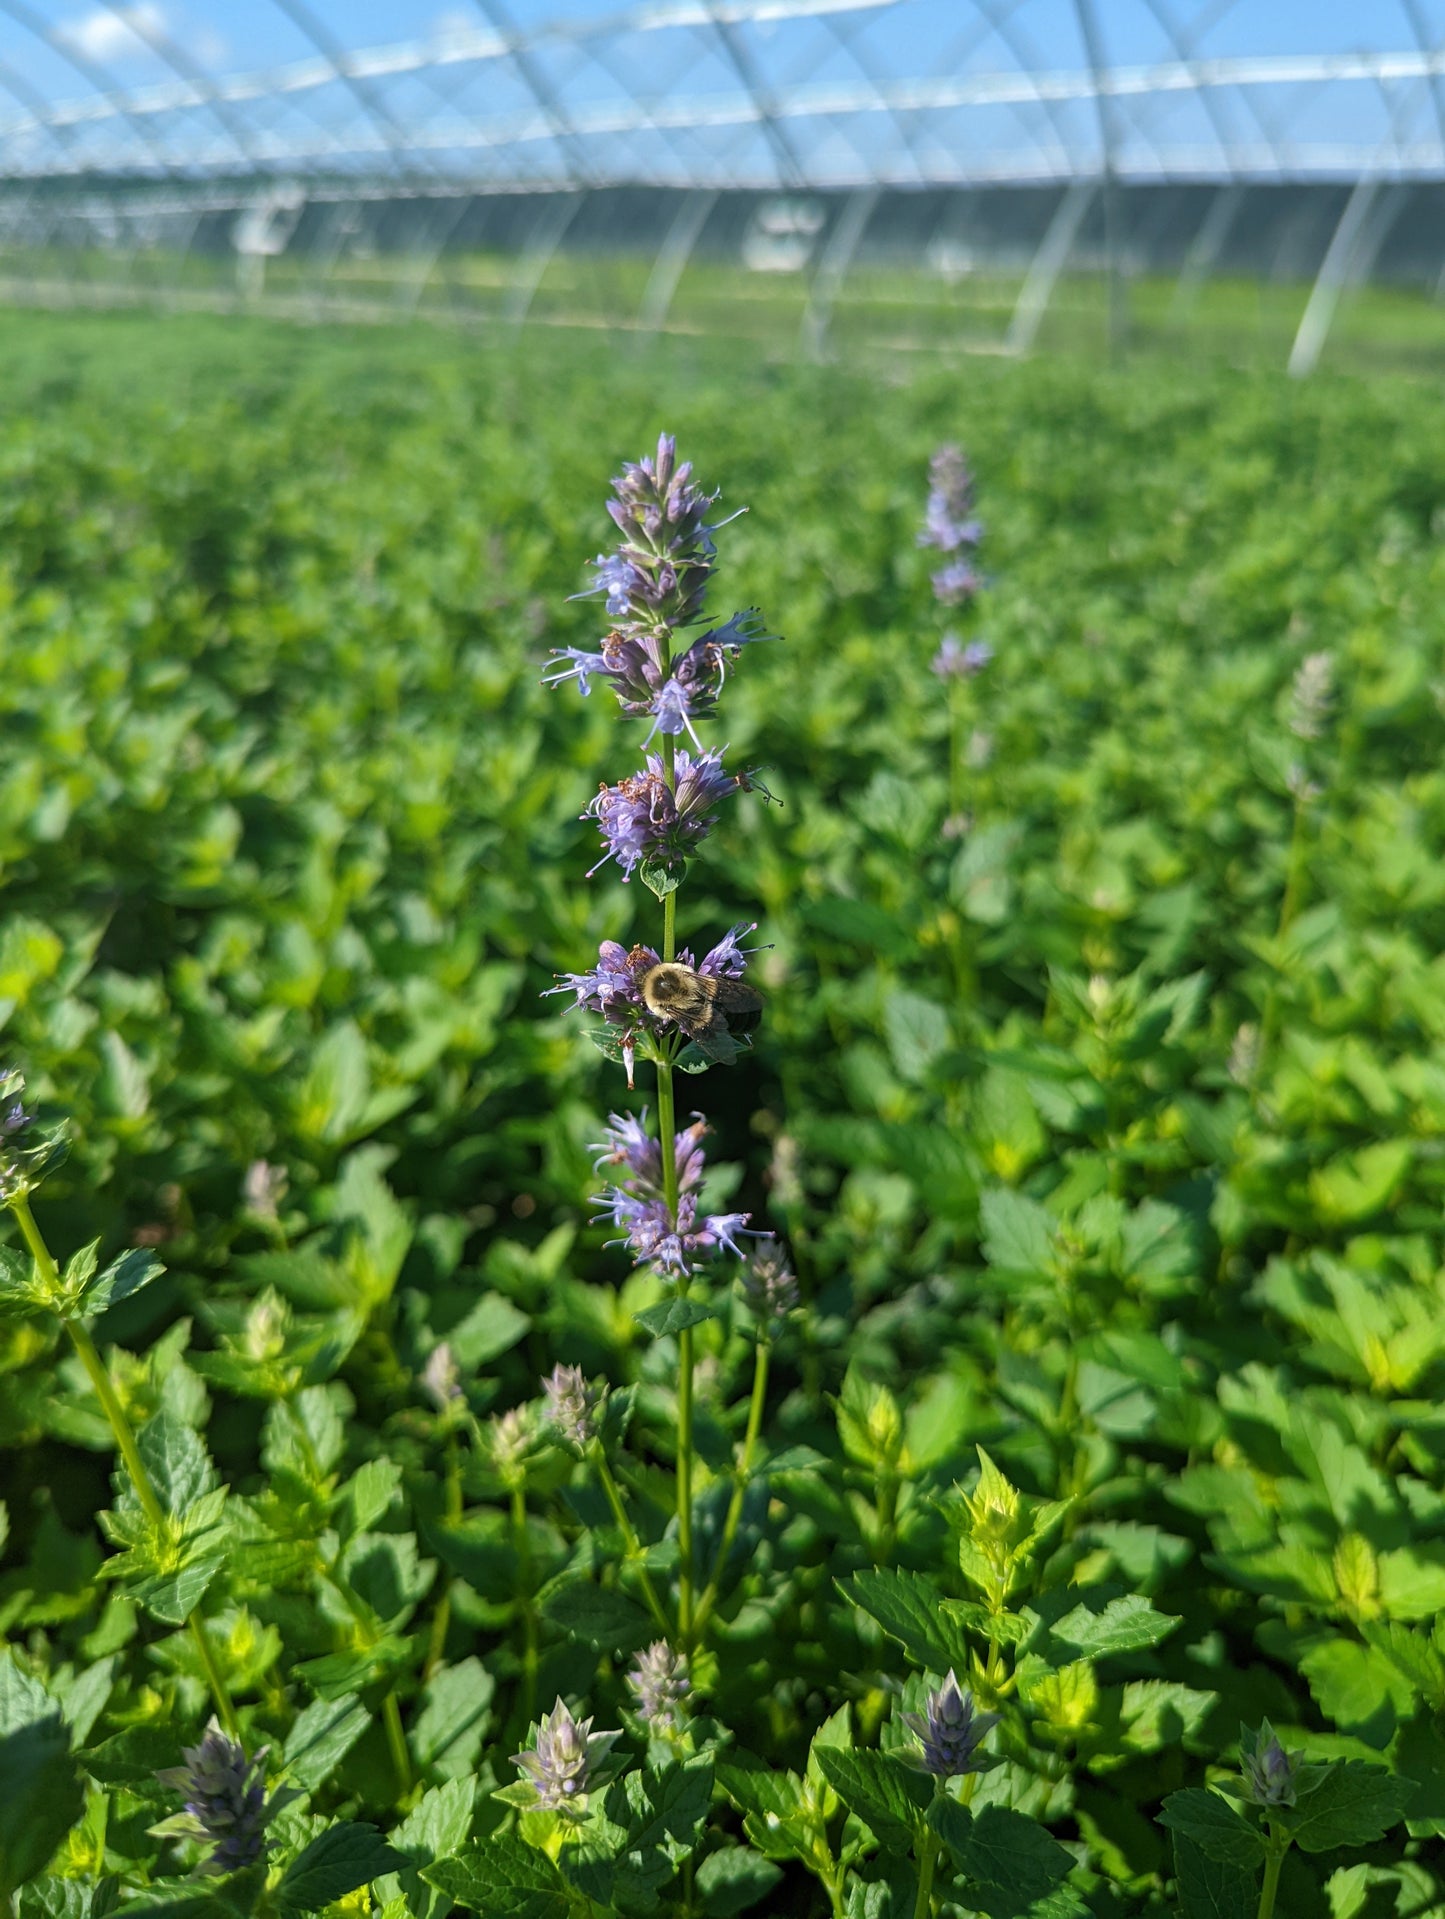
673 1316
907 1605
323 1734
337 1861
1352 1805
334 1095
438 1824
1017 1233
1210 1888
386 1570
660 879
491 1328
21 1291
503 1878
123 1278
889 1797
176 1458
667 1808
456 1712
40 1792
918 1033
368 1494
1008 1860
598 1615
1125 1625
733 1879
1214 1826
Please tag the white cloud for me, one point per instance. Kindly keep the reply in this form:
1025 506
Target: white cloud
105 36
455 23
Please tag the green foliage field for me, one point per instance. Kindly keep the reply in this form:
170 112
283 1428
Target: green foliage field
289 852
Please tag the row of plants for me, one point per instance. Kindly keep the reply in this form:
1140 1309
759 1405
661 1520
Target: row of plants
1080 1404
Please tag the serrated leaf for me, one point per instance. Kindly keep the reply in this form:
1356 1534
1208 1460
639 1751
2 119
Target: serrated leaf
1125 1625
122 1279
733 1879
175 1456
1008 1860
918 1033
503 1877
1220 1832
323 1734
908 1606
40 1792
456 1712
673 1316
660 879
665 1809
889 1797
598 1615
1017 1233
337 1861
1209 1888
1352 1805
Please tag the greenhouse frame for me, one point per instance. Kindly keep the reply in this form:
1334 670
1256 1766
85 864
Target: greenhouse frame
568 163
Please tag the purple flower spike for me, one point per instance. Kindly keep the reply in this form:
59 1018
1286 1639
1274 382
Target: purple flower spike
955 584
653 586
643 818
949 1731
956 661
677 1245
564 1761
949 523
226 1805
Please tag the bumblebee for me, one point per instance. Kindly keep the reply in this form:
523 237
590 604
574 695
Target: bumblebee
711 1009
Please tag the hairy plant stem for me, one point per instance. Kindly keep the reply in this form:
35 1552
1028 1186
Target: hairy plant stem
523 1548
927 1857
1273 1864
631 1544
125 1440
740 1483
667 1142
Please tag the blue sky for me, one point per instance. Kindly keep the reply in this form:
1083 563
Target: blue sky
134 45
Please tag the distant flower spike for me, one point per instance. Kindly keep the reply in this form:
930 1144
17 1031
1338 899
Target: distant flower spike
573 1406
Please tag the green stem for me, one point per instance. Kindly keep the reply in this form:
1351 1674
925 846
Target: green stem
1289 906
740 1483
631 1544
927 1856
120 1426
1273 1863
684 1487
529 1611
442 1617
396 1739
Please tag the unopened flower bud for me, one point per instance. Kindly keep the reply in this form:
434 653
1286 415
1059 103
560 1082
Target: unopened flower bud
573 1407
225 1797
565 1758
659 1683
442 1380
949 1731
768 1286
1270 1772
